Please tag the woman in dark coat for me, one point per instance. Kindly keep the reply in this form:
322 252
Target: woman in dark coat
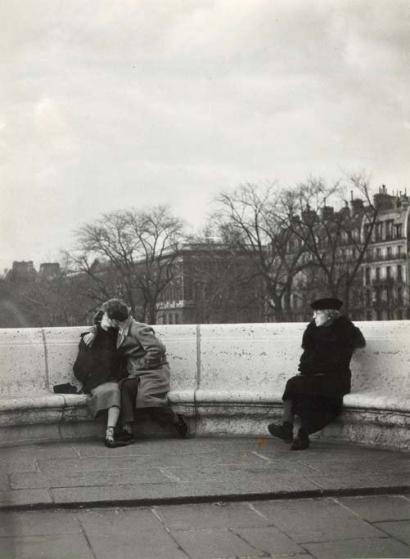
314 398
99 367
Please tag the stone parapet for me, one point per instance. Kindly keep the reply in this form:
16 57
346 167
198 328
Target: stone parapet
227 378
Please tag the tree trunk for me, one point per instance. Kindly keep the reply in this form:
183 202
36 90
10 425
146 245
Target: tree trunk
152 313
276 306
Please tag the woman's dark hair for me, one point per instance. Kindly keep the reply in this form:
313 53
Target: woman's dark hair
98 317
116 309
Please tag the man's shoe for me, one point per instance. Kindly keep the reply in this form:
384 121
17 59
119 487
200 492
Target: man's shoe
301 442
124 436
284 431
181 426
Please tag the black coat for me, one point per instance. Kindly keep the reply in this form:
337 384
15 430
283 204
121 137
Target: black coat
317 392
99 362
327 354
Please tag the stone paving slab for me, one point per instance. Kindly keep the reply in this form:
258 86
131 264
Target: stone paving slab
400 529
371 548
313 520
299 528
378 508
25 498
169 470
45 547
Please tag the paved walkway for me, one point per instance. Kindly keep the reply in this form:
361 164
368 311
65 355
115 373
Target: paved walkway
168 470
203 498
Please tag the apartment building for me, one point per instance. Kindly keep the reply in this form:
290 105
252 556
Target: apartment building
386 266
211 284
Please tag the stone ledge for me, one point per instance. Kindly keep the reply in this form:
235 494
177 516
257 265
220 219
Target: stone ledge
376 401
371 427
227 378
236 397
61 417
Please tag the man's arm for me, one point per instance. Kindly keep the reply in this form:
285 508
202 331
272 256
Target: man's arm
154 349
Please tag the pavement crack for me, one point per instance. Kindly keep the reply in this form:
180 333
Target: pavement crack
261 552
76 451
36 465
169 474
87 539
388 535
261 456
372 524
168 531
256 511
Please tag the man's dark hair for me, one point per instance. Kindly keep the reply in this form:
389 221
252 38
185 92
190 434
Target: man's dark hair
116 309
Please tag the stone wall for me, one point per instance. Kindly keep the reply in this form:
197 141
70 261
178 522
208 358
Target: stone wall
228 378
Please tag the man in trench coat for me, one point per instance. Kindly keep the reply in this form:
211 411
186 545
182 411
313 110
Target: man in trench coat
148 380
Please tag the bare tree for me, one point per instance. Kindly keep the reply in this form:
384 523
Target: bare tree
42 301
158 235
248 220
130 253
335 242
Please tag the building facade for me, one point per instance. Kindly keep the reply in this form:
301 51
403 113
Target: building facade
211 284
385 271
380 286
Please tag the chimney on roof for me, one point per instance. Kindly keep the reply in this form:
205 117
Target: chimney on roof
309 216
383 200
326 213
356 205
49 269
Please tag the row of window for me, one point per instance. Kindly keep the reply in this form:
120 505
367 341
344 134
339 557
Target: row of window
170 318
385 230
387 314
380 253
172 293
393 296
381 272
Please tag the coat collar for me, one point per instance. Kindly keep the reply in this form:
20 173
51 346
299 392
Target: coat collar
123 332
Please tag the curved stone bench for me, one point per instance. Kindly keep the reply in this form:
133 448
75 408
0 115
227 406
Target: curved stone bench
228 379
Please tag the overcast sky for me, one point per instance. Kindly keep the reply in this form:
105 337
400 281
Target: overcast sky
115 104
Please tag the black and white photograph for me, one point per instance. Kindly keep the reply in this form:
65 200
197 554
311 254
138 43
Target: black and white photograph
204 279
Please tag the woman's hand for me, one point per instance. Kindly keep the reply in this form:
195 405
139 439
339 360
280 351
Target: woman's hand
89 338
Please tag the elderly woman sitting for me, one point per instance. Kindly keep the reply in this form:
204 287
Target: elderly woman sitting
99 367
314 398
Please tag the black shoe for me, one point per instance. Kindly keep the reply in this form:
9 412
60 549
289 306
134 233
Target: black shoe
124 436
113 443
301 442
284 431
181 426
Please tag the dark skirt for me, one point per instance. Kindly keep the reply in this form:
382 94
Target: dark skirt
312 402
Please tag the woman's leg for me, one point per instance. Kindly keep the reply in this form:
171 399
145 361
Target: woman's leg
113 415
287 414
301 435
112 420
285 430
